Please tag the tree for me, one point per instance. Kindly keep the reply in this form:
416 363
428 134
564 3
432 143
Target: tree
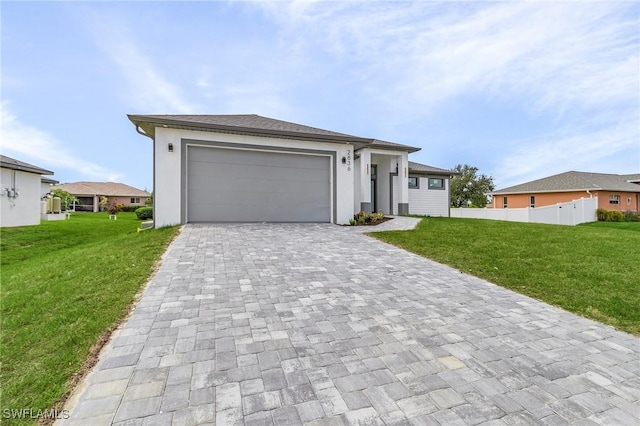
468 188
66 199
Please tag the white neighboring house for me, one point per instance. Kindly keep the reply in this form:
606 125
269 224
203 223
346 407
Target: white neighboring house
249 168
46 186
21 192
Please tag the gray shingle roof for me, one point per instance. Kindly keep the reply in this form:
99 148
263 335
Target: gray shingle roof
256 125
12 163
632 177
573 181
418 168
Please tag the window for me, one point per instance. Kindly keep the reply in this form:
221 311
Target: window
436 183
504 202
135 200
414 182
532 201
614 199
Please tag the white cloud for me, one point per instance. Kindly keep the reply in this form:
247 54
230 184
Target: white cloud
30 144
147 90
417 55
573 65
613 149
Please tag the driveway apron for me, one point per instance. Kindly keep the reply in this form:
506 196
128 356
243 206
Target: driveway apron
318 324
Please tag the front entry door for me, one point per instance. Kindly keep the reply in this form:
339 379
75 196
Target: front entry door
374 194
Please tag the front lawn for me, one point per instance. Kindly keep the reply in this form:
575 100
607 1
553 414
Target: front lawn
592 269
63 284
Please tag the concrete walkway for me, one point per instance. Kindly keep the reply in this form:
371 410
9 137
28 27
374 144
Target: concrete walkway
316 324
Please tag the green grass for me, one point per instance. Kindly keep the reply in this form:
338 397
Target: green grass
592 270
63 284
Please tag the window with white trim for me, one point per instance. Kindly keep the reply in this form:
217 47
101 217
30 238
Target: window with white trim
614 199
414 182
532 201
135 200
504 202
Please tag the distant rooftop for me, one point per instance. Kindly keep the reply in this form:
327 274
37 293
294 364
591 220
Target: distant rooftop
108 189
575 181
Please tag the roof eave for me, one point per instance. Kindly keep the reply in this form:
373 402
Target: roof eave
148 124
35 170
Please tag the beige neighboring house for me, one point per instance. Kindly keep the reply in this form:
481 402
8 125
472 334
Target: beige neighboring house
21 192
89 193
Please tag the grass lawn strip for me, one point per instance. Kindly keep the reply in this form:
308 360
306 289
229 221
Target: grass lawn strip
592 269
63 285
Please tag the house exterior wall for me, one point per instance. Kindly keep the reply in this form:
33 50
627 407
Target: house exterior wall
429 202
628 201
127 201
422 200
168 169
24 209
45 188
551 198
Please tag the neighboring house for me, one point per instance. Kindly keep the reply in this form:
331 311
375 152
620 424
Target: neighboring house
248 168
89 193
21 192
46 185
614 192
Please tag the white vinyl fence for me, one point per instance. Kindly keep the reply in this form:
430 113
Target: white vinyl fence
571 213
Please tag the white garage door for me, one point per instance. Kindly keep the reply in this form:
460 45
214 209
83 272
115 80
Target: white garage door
232 185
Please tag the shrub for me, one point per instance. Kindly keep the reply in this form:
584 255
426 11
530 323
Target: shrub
130 209
614 216
362 218
601 215
631 217
144 213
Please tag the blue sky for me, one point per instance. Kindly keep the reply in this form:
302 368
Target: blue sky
519 90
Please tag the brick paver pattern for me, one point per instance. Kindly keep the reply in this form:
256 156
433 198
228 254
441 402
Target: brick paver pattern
315 324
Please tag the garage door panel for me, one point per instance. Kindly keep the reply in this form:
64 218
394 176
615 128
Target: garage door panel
244 158
279 172
226 185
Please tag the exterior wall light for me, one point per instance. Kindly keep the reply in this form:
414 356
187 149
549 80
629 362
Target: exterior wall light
170 147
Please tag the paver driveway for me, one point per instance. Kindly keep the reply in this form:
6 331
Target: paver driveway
290 324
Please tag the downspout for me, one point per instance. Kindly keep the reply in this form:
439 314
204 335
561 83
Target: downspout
138 130
142 132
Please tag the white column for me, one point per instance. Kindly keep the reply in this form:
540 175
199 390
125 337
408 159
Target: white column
403 181
365 180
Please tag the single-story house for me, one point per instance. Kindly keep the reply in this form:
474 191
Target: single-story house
249 168
21 192
46 185
89 194
614 192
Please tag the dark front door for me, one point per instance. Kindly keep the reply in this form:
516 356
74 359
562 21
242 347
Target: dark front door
374 192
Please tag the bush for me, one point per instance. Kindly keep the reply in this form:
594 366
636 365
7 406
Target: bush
362 218
144 213
130 209
614 216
